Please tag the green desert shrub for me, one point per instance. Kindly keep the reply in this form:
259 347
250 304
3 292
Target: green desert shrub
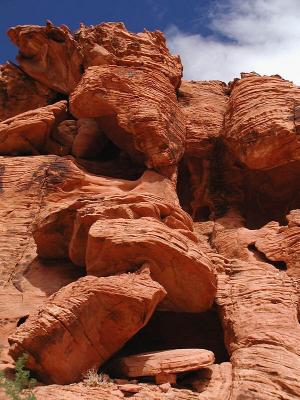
13 388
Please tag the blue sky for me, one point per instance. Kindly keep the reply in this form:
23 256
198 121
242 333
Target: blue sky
216 39
136 14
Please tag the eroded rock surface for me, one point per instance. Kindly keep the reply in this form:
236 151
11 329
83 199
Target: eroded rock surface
111 43
29 133
204 105
135 155
20 93
49 54
262 121
175 261
162 364
111 226
137 110
259 309
25 280
84 323
263 339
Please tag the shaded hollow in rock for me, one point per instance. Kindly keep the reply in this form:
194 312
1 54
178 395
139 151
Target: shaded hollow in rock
260 256
270 195
207 189
169 330
113 163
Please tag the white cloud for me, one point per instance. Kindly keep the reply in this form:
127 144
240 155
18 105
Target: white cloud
247 35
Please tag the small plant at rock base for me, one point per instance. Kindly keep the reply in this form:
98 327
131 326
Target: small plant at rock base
13 388
92 378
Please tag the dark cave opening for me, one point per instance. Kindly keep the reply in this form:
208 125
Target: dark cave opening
202 214
58 97
271 195
281 265
22 319
168 330
110 151
184 187
208 188
114 163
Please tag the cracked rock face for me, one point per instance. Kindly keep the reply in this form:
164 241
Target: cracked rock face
130 201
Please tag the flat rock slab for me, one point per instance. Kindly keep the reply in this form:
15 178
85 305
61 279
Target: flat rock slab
169 362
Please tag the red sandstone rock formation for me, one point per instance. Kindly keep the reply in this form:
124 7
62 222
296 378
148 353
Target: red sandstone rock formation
30 133
111 226
84 324
20 93
262 121
111 43
49 54
93 204
204 105
136 109
164 365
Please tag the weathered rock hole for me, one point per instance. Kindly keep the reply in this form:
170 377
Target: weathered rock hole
114 163
168 330
202 377
184 187
281 265
22 320
58 97
206 190
270 195
202 214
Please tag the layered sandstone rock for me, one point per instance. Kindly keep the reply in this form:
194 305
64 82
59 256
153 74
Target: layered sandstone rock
164 365
29 133
281 244
20 93
119 245
97 208
112 226
262 339
261 330
204 105
49 54
83 324
56 58
136 109
262 121
25 281
216 389
111 43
